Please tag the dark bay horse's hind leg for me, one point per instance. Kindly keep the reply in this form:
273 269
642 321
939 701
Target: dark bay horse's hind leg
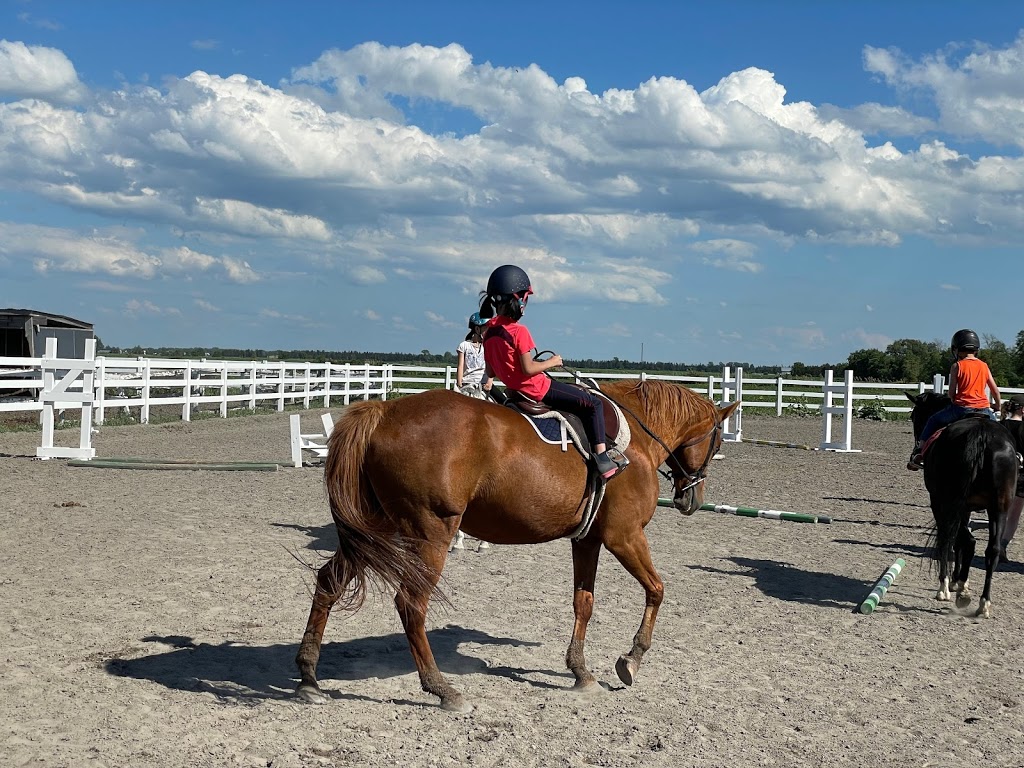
993 552
328 589
412 609
963 555
635 555
584 565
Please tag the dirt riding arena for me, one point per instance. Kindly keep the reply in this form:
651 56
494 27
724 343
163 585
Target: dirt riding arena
151 618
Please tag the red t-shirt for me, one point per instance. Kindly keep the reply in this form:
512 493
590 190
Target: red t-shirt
505 341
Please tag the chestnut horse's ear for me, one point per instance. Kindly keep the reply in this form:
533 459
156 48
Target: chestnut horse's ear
724 413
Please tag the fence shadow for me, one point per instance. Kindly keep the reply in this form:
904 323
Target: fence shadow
243 672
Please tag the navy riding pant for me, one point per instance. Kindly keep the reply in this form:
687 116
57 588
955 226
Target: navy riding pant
564 397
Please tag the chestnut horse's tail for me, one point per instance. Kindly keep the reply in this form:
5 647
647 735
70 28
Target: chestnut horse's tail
369 548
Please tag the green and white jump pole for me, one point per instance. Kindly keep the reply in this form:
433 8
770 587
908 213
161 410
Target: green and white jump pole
881 587
770 514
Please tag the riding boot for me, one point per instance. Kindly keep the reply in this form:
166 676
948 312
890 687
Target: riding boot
916 461
606 466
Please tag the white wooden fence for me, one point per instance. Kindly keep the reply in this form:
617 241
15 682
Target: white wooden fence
141 384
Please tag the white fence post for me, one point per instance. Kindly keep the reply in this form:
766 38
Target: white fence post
448 377
186 407
252 385
938 384
732 391
845 411
280 386
144 410
347 398
778 395
327 384
101 390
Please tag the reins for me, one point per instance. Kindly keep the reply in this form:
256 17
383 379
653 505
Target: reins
691 480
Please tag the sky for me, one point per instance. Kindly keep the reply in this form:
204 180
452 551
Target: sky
686 182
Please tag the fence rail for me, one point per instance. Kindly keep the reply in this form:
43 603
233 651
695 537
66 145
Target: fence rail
145 383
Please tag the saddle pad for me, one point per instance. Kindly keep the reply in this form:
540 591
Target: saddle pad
557 428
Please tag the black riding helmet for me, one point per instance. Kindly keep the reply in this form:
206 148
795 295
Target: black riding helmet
965 339
508 280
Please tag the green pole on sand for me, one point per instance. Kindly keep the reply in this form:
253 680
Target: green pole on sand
770 514
881 587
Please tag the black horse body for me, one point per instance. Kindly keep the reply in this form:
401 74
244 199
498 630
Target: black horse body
970 466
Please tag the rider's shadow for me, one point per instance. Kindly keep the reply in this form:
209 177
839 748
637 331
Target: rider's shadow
235 671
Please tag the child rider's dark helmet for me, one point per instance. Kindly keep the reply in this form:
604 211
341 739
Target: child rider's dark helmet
965 339
508 280
475 320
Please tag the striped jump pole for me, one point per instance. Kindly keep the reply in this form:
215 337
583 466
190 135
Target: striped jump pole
770 514
779 444
881 587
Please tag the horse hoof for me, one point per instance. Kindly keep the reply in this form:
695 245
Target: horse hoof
456 704
984 610
963 600
311 694
626 669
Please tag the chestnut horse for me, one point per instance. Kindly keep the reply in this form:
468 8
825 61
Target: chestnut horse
404 475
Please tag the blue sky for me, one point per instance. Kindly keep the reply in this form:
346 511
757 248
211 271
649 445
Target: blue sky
761 182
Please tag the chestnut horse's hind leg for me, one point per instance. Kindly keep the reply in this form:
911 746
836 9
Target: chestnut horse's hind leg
635 555
412 609
584 565
327 592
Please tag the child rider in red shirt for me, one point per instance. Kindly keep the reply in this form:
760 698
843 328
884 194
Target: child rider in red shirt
508 353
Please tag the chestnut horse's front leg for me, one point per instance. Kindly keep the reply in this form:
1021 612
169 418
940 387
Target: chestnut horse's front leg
584 565
634 553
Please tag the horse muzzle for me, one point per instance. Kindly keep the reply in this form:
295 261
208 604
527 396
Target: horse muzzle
688 500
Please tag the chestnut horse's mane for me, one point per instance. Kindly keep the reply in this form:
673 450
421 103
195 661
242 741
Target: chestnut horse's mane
663 402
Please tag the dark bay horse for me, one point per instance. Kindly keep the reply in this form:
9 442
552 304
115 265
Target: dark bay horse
970 466
402 476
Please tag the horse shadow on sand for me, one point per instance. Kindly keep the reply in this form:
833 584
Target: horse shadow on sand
324 538
789 583
252 673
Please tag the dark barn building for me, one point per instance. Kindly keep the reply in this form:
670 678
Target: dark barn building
23 333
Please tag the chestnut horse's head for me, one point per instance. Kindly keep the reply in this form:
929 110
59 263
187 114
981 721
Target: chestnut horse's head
689 462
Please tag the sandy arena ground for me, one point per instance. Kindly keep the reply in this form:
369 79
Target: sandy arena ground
151 619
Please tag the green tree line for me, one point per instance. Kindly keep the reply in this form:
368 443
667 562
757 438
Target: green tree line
905 360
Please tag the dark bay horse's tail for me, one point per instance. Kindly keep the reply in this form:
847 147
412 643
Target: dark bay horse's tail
369 546
957 485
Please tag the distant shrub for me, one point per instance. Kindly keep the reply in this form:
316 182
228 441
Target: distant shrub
799 408
874 410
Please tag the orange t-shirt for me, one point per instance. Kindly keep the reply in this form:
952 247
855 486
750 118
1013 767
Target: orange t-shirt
971 377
